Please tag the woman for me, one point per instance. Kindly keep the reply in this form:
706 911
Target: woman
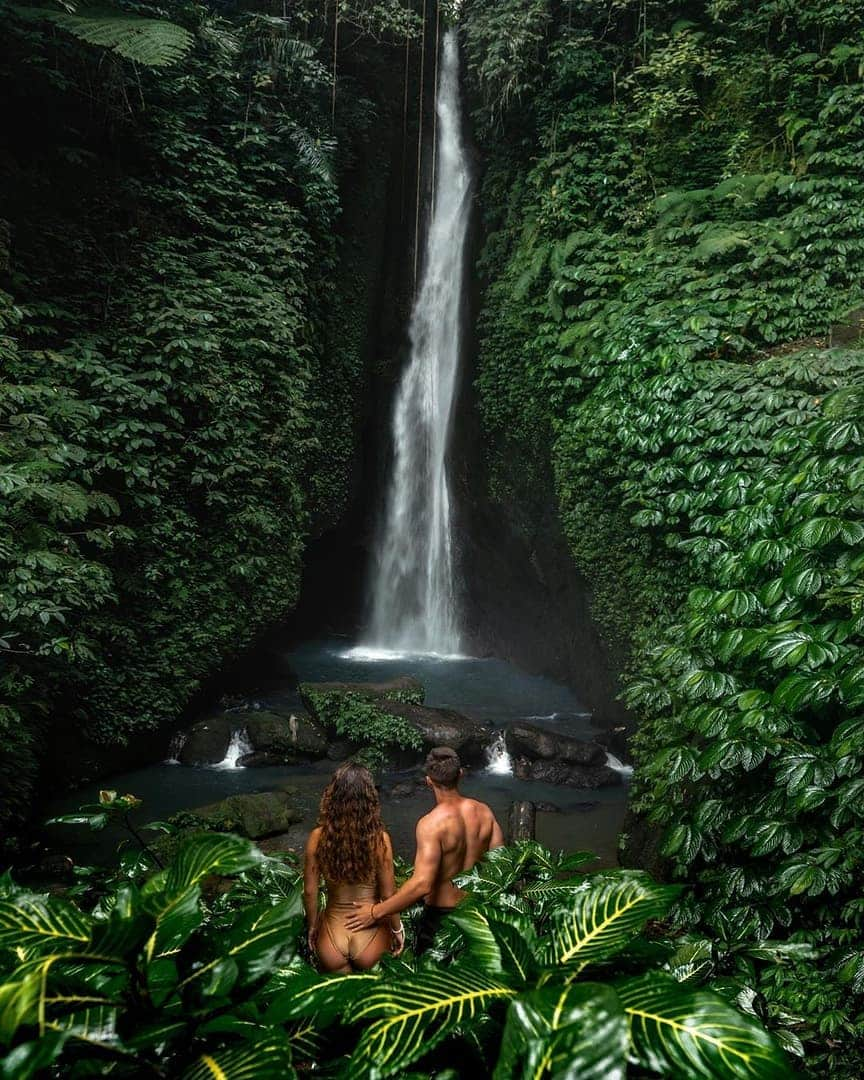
351 850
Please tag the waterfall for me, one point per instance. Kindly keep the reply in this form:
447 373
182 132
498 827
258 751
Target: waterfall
497 757
414 606
618 765
237 748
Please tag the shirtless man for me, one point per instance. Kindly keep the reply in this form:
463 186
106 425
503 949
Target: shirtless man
451 838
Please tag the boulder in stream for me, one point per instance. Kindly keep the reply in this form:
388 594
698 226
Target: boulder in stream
264 813
282 738
444 727
318 697
562 772
541 744
207 741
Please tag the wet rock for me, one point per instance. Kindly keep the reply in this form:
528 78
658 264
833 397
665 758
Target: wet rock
614 739
294 840
561 772
207 740
407 788
528 740
549 808
443 727
521 821
849 331
341 750
404 688
260 759
265 813
285 737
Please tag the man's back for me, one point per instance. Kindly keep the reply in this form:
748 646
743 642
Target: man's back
464 830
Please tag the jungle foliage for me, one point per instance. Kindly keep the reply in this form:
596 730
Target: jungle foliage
673 264
170 343
152 971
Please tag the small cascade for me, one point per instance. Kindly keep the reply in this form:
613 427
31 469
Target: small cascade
237 748
497 757
178 740
618 765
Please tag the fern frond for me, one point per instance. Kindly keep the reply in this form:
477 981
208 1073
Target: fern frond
151 42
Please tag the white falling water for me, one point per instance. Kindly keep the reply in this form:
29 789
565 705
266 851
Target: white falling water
618 765
497 757
237 748
414 605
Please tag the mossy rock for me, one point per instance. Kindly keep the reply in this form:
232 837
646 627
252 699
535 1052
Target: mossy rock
264 813
321 698
287 737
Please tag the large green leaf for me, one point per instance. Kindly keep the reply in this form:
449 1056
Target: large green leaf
503 946
211 853
577 1032
260 938
677 1032
40 924
324 997
267 1059
603 919
412 1016
153 42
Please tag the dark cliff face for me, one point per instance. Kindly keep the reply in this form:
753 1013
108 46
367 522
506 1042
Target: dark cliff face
523 599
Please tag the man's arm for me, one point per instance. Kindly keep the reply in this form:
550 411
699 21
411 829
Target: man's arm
426 864
497 839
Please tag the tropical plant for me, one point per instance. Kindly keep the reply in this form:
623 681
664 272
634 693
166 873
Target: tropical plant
541 972
152 42
146 983
673 296
167 973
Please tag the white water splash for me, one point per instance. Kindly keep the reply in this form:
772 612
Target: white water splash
371 655
497 757
238 746
178 740
619 766
414 606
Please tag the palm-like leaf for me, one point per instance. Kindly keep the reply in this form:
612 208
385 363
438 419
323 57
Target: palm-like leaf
414 1015
498 946
38 924
577 1032
260 937
677 1032
213 853
152 42
324 997
602 920
267 1059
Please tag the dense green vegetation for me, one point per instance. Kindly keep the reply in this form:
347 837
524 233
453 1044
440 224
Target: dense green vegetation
181 383
196 970
673 257
669 350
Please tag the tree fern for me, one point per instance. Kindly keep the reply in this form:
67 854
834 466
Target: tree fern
152 42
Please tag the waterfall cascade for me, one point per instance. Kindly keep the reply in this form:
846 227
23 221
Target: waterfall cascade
237 748
498 757
414 603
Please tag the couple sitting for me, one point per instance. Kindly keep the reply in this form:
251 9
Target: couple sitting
352 851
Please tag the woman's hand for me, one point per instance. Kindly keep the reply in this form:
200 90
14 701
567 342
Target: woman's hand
397 942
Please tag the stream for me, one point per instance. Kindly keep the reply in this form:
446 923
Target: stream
486 689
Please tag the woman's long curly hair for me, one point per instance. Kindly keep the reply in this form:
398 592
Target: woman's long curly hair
352 832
